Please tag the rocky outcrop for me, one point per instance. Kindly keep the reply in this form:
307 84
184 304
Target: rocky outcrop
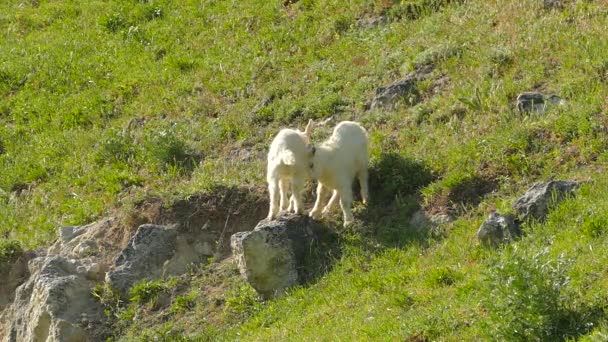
498 229
536 102
156 251
535 203
271 256
55 303
143 258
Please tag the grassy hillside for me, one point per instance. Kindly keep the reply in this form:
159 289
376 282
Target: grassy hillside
106 103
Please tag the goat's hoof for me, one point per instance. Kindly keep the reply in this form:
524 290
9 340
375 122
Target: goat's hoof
314 215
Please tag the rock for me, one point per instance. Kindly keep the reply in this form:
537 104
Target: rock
143 258
535 203
52 304
407 87
422 221
270 256
83 241
536 102
371 22
553 4
498 229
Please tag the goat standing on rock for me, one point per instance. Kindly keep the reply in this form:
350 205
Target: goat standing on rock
288 161
336 163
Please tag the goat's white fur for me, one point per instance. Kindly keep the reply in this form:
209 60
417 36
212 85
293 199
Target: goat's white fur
336 163
288 163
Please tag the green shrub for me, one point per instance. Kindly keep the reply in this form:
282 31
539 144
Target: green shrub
146 291
184 302
167 149
9 249
528 299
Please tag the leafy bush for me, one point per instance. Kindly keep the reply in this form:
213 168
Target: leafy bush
528 299
167 149
145 291
184 302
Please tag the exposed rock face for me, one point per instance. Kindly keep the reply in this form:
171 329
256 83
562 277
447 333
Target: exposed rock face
536 102
270 256
55 303
535 203
497 229
144 257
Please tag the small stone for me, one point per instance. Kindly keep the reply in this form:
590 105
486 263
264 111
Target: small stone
498 229
371 22
536 102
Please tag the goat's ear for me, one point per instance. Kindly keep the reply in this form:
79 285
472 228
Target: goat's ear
308 130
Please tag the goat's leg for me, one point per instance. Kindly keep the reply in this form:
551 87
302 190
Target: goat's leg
332 202
362 175
346 200
297 188
273 191
322 193
284 189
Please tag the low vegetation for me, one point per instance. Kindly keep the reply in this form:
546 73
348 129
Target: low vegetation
104 104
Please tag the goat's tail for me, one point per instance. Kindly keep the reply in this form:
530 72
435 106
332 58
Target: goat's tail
287 158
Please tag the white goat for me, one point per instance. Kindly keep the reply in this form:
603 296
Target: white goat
336 163
289 159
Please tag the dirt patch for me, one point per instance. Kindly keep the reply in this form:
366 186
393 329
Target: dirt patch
460 196
211 216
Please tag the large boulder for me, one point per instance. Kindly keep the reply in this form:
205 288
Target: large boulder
55 303
498 229
535 203
271 256
143 258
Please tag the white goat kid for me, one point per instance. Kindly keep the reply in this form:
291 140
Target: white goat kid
336 163
289 160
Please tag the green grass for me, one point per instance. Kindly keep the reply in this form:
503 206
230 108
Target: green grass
103 103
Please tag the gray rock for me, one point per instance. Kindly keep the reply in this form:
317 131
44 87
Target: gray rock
553 4
371 22
535 203
498 229
405 88
81 241
536 102
270 256
421 221
52 303
144 257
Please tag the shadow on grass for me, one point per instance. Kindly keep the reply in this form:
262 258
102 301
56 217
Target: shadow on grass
395 183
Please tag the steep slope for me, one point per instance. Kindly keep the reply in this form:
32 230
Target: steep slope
106 103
